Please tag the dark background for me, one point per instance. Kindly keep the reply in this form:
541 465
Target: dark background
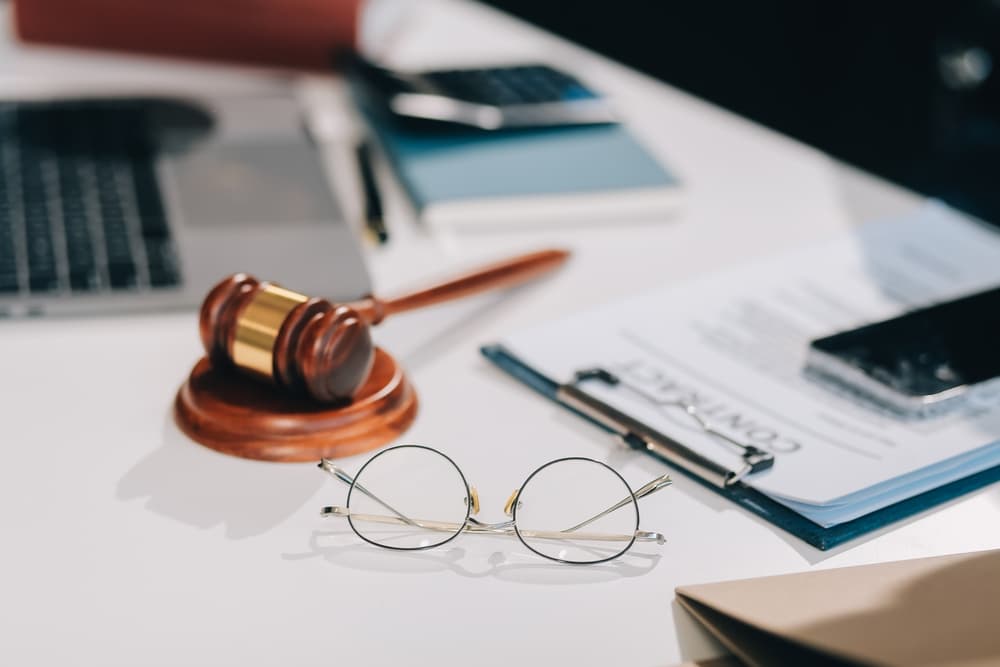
908 90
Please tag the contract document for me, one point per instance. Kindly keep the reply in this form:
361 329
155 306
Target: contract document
734 345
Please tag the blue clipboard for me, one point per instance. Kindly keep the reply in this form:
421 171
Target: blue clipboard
751 500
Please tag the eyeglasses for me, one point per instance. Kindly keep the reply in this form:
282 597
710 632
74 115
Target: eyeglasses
413 497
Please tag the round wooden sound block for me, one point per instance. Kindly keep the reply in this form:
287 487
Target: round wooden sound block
235 414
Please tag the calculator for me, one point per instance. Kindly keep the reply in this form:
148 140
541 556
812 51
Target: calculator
488 98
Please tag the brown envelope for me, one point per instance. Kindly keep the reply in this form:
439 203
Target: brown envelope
929 611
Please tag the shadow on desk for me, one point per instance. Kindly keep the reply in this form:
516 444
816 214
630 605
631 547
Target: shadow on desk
341 548
204 489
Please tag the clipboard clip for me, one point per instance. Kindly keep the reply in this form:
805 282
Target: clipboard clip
637 435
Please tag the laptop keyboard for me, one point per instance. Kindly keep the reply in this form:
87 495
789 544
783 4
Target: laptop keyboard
80 206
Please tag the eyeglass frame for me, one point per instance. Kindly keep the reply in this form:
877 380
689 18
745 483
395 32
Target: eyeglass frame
472 525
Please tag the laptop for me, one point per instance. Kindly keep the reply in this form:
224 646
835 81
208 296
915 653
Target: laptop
122 204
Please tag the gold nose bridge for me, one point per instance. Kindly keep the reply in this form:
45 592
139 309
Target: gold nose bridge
508 507
474 497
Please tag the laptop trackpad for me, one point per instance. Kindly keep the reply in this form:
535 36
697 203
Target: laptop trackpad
251 183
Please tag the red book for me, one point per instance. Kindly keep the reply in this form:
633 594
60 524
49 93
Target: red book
286 33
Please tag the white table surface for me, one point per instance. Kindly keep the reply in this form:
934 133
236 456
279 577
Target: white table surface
123 543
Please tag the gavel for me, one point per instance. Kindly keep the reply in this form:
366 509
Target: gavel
324 350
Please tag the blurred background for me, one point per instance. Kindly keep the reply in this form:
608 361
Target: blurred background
907 90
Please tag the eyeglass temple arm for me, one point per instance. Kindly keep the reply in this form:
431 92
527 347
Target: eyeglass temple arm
503 528
647 489
327 466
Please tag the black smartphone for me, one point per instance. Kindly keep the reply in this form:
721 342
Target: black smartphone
484 98
921 363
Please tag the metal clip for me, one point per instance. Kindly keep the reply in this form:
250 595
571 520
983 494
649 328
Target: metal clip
634 434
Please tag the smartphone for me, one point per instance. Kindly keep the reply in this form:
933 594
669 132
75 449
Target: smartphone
919 364
485 98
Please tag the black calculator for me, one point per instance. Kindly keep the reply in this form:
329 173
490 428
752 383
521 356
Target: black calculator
487 98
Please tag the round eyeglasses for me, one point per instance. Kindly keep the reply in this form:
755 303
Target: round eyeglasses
571 510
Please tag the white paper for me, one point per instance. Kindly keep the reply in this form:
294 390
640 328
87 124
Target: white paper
735 343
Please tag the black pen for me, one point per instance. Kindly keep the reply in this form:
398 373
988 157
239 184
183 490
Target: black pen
373 201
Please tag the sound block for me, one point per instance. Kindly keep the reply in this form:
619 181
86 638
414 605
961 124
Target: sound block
234 414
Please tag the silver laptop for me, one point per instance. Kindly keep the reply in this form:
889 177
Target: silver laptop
119 204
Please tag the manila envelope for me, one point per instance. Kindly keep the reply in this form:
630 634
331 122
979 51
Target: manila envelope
928 611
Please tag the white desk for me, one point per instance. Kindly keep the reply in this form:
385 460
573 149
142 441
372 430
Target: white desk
124 543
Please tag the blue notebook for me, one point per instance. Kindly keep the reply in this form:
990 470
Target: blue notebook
565 174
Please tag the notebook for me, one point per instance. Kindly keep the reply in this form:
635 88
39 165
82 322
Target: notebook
566 174
733 347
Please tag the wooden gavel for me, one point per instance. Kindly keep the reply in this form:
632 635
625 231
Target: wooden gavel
314 347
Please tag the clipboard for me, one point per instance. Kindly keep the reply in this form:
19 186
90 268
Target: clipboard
727 483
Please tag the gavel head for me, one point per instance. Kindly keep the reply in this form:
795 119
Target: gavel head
304 345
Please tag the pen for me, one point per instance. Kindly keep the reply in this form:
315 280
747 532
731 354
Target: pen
373 201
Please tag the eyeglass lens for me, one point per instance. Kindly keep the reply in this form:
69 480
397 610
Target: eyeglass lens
577 511
408 497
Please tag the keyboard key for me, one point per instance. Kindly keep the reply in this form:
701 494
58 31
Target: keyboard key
8 262
43 279
42 272
147 195
88 281
162 263
8 282
116 241
155 227
78 246
8 257
83 272
8 254
122 275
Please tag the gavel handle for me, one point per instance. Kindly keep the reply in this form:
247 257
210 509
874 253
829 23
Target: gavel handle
507 273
